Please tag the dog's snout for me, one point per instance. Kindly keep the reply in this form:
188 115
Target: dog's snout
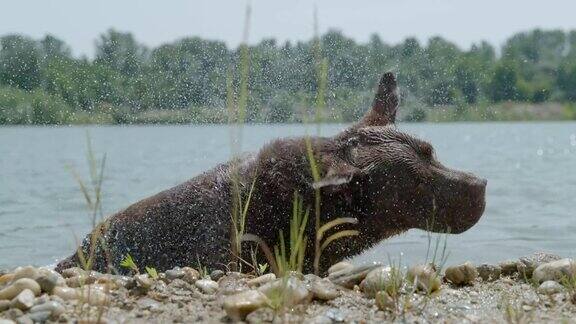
481 182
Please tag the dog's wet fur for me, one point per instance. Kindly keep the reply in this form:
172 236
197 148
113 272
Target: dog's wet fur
387 179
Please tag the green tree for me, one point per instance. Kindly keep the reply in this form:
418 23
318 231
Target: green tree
19 62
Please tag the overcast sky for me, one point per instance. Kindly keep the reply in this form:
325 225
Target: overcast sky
79 22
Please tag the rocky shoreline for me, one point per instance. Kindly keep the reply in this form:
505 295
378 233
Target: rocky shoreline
538 288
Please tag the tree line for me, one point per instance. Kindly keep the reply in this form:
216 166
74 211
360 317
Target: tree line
42 82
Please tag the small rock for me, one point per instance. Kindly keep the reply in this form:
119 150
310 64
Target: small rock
383 278
207 286
6 278
18 286
24 300
238 306
343 265
39 317
190 275
550 287
311 277
144 281
335 315
4 305
324 289
6 321
148 303
72 272
463 274
261 315
86 278
319 319
217 274
54 308
556 270
24 319
29 272
527 265
424 277
93 295
47 282
66 293
13 313
508 268
292 291
259 281
384 302
124 281
489 272
350 277
175 273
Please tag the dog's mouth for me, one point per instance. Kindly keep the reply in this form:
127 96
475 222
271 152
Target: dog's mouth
457 210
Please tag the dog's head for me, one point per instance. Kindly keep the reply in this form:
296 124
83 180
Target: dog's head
395 179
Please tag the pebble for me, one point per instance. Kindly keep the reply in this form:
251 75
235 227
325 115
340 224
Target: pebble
24 300
527 265
82 279
508 268
39 317
238 306
217 274
384 302
5 278
175 273
6 321
190 275
556 270
292 290
66 293
324 289
144 281
4 305
148 303
54 308
424 277
93 295
24 319
72 272
489 272
382 278
335 315
207 286
350 277
463 274
261 315
18 286
13 313
340 266
550 287
259 281
29 272
48 281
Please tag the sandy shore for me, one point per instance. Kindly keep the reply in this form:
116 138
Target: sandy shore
501 294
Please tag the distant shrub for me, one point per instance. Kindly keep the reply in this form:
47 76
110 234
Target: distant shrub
35 107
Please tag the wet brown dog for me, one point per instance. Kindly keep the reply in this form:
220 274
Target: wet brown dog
388 180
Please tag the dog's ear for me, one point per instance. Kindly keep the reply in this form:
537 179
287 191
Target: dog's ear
338 173
385 104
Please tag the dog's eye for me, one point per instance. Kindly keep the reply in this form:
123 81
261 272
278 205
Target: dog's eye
427 151
353 141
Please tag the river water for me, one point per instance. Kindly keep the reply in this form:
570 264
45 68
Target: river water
530 167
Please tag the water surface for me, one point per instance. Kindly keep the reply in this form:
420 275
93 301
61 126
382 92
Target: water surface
530 169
